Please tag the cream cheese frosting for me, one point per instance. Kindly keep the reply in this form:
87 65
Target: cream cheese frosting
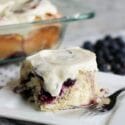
56 66
8 14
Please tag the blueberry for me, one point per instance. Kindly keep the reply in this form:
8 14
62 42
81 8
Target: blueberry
88 45
116 68
120 41
110 53
99 54
104 54
122 62
105 51
119 71
99 45
104 67
113 48
119 58
69 83
100 60
108 38
122 51
122 71
106 43
109 58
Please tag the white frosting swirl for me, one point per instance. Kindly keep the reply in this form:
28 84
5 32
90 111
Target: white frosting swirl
56 66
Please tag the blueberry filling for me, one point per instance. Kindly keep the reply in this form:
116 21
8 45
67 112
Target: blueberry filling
45 97
69 82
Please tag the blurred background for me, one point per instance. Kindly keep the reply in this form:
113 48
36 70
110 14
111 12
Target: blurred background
109 18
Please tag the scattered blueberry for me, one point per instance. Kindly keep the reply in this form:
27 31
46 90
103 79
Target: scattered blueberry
88 45
110 53
118 69
113 47
120 41
104 67
99 45
108 38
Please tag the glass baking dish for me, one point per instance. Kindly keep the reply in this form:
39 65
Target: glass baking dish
51 33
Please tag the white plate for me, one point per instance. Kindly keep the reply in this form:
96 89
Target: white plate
12 106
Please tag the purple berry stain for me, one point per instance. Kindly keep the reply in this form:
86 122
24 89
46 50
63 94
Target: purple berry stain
46 97
69 82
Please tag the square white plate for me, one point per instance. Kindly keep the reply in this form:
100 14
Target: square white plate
12 106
